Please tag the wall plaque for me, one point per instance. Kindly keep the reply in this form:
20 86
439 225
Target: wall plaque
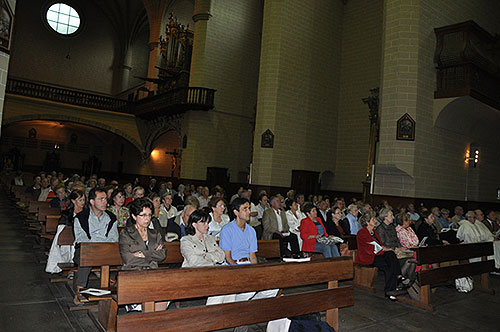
405 128
267 140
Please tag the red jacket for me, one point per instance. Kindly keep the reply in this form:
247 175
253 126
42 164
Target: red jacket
307 228
365 253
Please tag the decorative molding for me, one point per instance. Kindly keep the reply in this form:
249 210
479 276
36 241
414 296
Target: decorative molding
201 17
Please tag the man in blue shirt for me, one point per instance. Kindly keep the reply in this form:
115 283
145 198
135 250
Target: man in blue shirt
238 239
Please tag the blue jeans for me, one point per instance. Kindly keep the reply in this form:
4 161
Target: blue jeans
327 250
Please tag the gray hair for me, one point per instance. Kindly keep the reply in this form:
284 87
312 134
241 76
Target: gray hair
384 212
470 213
351 207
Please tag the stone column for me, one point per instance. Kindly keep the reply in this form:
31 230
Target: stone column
201 16
154 9
395 168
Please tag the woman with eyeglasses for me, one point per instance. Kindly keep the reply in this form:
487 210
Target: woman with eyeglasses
141 245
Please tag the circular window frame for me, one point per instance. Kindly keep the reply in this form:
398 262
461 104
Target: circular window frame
71 4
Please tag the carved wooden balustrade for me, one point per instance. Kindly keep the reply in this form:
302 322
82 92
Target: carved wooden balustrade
171 102
467 60
65 95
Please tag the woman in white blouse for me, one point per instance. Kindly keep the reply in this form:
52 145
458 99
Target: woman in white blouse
199 248
217 216
294 216
167 210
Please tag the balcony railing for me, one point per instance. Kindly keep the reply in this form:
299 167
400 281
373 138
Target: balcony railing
67 96
170 102
467 60
175 101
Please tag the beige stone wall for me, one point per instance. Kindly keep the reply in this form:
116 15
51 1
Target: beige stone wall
4 68
226 58
360 72
434 162
298 89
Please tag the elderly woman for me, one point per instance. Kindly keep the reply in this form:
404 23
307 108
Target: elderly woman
218 218
372 251
311 232
350 224
198 247
293 217
178 199
406 235
116 206
167 210
386 229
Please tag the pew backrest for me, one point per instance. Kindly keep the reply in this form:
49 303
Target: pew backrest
149 286
51 222
454 252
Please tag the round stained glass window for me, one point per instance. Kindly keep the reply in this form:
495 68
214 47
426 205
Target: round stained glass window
63 18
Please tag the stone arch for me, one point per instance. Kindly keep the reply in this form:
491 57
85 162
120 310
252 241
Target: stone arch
468 117
161 126
66 118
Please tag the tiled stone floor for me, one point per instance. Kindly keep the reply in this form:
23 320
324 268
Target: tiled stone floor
30 302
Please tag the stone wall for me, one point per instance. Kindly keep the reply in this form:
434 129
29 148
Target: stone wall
226 58
298 89
359 72
434 164
4 68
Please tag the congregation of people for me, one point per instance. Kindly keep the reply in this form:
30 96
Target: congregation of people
216 229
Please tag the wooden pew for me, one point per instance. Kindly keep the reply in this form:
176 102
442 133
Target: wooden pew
51 222
105 255
34 205
364 275
457 252
151 286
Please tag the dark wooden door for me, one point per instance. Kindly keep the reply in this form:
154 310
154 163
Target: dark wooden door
306 182
217 176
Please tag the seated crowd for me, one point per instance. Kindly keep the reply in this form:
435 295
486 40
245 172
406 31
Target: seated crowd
214 229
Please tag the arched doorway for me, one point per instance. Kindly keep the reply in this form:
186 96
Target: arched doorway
165 158
70 147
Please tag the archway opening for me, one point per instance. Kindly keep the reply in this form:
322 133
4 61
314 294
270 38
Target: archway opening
68 147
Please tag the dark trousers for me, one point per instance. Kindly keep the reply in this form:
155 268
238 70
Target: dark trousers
284 240
82 274
389 264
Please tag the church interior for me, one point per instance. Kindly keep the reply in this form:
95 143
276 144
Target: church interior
368 100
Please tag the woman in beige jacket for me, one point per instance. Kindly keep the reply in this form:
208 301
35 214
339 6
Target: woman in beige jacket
199 248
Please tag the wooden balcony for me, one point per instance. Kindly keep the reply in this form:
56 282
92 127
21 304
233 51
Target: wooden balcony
467 60
168 103
65 95
175 101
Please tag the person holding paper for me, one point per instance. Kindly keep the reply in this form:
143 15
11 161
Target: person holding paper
313 231
372 251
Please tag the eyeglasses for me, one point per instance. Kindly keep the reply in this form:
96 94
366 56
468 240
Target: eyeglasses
145 215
